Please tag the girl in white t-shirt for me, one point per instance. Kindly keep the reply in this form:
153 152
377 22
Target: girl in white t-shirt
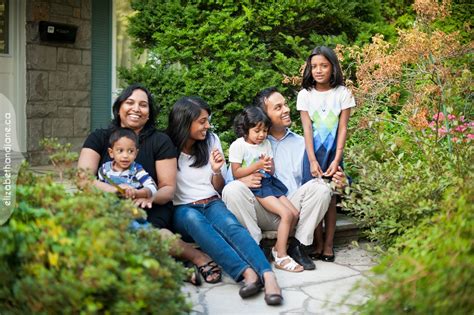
251 153
324 104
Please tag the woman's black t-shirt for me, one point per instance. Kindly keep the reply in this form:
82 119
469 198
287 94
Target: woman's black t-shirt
156 146
152 147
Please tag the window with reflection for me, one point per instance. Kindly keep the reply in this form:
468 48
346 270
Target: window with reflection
3 26
124 55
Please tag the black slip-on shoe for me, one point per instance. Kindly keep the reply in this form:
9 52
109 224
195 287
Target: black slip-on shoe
298 253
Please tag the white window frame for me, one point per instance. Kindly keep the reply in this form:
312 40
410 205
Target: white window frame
17 50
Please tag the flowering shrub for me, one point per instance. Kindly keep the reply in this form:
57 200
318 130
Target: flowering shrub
410 151
459 129
411 125
60 155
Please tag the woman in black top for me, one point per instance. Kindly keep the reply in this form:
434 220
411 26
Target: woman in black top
134 109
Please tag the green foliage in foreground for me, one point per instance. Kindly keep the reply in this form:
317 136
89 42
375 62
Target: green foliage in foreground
71 254
430 270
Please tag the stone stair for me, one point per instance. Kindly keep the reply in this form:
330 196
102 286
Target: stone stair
346 231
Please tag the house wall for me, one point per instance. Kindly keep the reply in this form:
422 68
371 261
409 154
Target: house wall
58 76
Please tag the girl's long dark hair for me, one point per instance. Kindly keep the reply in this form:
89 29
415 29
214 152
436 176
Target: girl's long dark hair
249 118
186 110
153 111
336 75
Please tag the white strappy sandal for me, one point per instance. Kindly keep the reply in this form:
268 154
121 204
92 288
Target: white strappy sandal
290 266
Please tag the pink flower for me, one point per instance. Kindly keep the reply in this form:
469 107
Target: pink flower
470 136
461 128
438 116
461 118
451 117
454 139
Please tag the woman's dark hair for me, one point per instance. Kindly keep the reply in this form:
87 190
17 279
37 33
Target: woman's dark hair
186 110
261 97
249 118
120 133
153 111
336 75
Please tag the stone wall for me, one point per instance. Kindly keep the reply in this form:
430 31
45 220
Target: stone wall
58 76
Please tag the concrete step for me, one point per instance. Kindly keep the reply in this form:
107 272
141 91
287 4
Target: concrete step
346 232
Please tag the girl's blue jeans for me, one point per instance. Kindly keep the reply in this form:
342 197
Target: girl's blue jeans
219 234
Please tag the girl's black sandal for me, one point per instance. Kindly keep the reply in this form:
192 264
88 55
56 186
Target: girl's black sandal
315 256
329 258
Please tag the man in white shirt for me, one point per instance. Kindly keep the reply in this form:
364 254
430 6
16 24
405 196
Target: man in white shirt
312 198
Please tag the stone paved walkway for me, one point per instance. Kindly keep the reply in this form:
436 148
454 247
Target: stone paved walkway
326 290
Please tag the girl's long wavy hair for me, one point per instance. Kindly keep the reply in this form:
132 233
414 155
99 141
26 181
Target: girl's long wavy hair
150 125
336 74
186 110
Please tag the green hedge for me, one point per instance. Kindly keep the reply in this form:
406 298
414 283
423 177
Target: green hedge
227 51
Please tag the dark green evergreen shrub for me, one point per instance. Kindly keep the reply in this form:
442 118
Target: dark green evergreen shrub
226 51
74 254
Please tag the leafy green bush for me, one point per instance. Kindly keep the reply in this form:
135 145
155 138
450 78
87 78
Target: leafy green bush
71 254
401 178
430 270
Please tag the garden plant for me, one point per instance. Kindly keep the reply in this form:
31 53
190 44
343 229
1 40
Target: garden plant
64 253
411 153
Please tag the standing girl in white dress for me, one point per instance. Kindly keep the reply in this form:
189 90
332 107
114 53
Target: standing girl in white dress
324 104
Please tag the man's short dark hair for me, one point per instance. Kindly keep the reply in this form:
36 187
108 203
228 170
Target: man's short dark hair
262 96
